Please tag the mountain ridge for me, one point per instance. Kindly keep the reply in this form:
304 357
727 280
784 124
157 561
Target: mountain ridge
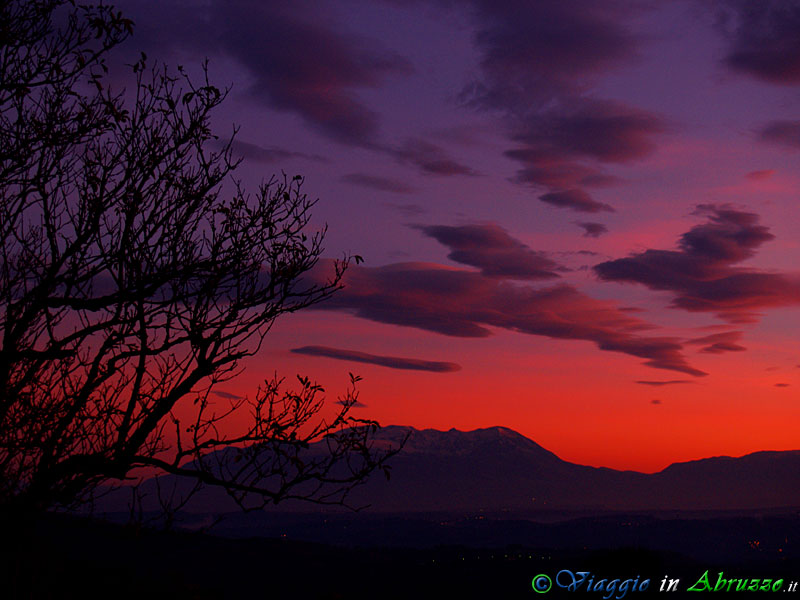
501 428
499 469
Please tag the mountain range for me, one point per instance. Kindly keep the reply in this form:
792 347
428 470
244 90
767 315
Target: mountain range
499 470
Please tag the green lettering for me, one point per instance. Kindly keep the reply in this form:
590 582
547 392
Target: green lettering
765 585
741 586
777 585
720 583
703 580
753 586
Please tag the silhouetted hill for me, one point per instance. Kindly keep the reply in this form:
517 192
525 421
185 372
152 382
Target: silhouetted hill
761 479
498 470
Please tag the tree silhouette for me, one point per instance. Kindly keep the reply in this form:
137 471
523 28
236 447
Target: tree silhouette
135 275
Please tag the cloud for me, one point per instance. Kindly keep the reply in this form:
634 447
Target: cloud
532 56
760 175
782 385
295 60
226 395
555 172
537 60
429 158
393 362
598 129
492 250
270 154
663 383
307 68
575 199
593 230
556 143
762 38
531 51
719 343
702 274
655 401
463 303
782 133
383 184
356 404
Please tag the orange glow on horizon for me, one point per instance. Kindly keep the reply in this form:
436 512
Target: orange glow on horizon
577 402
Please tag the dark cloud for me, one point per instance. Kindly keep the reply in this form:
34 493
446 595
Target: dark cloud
226 395
575 199
429 158
537 61
531 51
593 230
663 383
558 142
556 172
763 38
462 303
782 385
782 133
375 182
492 250
270 154
298 62
720 347
719 343
702 273
295 60
393 362
760 175
533 56
601 130
729 236
356 404
306 67
655 401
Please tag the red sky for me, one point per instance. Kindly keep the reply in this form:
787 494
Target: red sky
586 210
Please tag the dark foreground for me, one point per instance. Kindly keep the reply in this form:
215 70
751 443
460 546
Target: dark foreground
375 557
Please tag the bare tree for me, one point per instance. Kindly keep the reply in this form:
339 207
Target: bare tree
135 275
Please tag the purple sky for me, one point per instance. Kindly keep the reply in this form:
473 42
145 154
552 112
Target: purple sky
566 207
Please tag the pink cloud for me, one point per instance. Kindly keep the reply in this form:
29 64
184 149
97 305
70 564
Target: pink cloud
702 273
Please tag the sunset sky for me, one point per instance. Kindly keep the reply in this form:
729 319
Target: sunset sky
579 219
